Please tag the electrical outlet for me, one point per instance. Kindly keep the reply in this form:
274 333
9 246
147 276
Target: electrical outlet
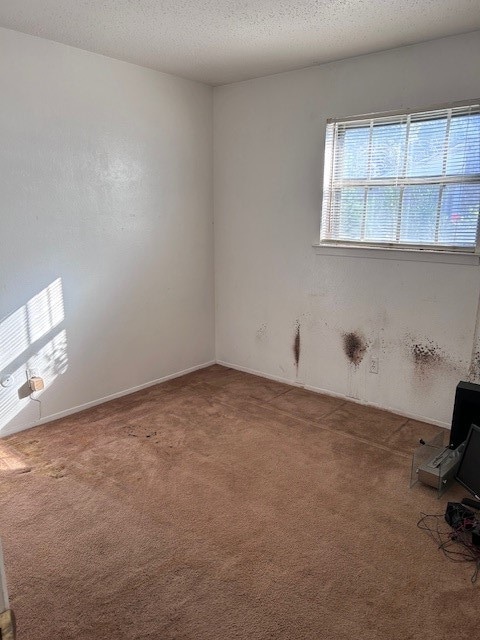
7 381
374 364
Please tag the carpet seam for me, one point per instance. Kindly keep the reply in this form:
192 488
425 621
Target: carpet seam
323 427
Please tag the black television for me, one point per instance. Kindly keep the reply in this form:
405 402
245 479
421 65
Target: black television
466 411
468 472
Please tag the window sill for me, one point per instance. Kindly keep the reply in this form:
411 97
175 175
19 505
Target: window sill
387 253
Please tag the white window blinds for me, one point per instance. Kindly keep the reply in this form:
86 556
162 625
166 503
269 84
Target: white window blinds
409 180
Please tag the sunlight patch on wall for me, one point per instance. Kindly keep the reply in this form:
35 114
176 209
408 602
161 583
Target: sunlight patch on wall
29 346
26 325
45 311
48 363
13 337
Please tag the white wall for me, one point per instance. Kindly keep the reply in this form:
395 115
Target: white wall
106 260
268 150
106 184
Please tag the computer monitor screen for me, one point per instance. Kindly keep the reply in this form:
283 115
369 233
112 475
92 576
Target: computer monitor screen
468 472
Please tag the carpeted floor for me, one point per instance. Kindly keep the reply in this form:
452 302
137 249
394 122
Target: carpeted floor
223 506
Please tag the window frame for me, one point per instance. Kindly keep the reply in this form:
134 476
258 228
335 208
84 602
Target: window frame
328 178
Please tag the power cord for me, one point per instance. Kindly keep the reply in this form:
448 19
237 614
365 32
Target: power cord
455 543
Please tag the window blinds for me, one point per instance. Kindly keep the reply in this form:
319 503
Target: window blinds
409 179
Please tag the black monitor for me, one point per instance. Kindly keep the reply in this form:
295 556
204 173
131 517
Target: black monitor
468 473
466 411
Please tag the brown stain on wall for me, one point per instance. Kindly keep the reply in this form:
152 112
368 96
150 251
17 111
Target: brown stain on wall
426 355
261 332
474 370
354 347
428 358
431 361
296 344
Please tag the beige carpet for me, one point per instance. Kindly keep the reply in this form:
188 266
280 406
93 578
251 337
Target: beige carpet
223 506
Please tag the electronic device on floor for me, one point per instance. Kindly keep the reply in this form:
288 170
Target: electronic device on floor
441 468
468 471
437 465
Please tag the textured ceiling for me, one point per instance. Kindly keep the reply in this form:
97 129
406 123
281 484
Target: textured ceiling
221 41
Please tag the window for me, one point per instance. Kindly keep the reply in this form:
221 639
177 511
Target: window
404 180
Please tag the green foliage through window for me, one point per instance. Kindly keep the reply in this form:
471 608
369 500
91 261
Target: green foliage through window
404 180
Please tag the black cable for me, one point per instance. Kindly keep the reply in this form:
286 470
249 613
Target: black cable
455 543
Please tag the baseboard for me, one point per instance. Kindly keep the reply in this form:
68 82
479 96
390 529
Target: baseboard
261 374
328 392
178 374
405 414
113 396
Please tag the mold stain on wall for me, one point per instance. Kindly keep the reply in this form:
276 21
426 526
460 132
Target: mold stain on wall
354 347
261 332
296 344
426 355
474 370
429 358
431 362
